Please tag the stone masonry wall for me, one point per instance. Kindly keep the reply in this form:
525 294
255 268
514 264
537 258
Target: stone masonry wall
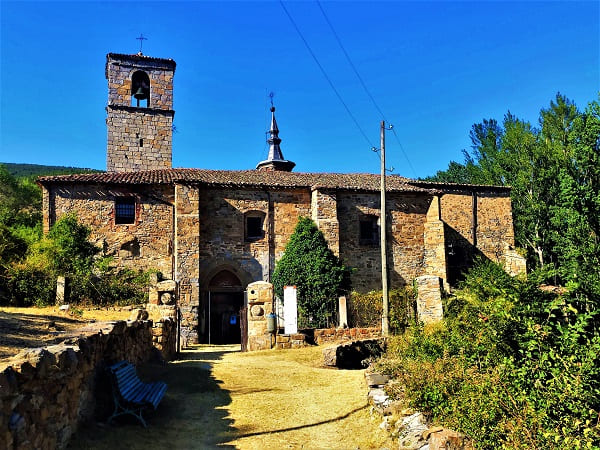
119 70
406 218
327 335
187 256
138 139
222 228
494 225
146 244
45 393
324 214
483 219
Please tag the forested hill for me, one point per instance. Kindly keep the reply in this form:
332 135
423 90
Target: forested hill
32 170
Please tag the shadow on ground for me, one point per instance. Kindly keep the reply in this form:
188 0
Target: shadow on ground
19 331
192 414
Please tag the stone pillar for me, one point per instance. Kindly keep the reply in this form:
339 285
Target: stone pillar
435 243
323 209
514 264
61 290
187 249
429 299
343 309
260 304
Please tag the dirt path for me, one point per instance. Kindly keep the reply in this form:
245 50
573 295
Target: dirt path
219 397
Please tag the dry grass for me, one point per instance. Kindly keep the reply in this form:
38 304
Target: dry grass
219 397
37 327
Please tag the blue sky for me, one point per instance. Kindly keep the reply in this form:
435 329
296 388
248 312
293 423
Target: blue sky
433 68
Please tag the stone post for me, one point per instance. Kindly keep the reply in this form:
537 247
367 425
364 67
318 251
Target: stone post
343 309
429 299
61 290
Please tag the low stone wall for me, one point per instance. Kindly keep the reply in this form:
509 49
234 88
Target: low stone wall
297 340
46 392
326 335
164 338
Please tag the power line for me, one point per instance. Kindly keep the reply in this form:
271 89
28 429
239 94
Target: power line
362 82
325 74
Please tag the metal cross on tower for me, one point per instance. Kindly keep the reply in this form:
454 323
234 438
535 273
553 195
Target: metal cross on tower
141 39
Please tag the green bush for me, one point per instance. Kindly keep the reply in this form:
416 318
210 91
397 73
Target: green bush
66 251
319 275
510 366
365 310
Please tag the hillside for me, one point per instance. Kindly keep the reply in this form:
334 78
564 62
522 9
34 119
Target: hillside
20 170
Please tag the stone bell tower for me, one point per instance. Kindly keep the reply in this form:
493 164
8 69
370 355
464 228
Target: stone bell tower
139 112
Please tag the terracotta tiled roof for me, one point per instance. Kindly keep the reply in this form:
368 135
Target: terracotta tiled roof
245 178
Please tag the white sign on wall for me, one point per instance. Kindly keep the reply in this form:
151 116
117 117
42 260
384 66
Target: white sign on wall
290 310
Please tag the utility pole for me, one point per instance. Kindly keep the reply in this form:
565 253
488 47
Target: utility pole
385 324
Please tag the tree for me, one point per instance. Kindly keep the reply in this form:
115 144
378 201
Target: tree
576 213
311 266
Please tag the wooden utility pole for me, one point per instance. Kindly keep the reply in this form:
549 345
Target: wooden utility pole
385 324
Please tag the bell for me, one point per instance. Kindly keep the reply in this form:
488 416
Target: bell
140 94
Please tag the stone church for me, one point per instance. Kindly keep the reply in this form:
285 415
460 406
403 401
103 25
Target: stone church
215 231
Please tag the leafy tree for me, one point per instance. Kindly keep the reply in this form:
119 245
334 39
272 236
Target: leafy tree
311 266
576 214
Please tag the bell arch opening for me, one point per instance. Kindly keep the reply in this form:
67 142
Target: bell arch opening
140 89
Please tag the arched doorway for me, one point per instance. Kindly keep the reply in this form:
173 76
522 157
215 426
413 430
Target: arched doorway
221 309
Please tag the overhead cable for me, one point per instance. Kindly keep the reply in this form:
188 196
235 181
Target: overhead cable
325 75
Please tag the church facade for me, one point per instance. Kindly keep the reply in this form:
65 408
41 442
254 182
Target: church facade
215 231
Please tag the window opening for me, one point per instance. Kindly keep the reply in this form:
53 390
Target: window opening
254 227
140 89
368 230
124 211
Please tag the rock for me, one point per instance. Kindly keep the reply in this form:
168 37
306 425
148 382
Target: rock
330 356
166 285
428 432
138 314
450 440
352 355
394 407
376 379
410 432
64 308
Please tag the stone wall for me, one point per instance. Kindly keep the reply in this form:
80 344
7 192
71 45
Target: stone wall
120 68
327 335
164 337
46 392
478 221
406 228
325 215
139 138
146 244
187 257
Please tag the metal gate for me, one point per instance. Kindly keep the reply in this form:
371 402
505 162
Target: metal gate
244 328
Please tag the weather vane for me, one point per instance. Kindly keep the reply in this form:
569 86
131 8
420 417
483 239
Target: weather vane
141 39
271 95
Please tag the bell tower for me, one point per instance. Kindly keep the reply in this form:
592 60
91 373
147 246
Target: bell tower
140 112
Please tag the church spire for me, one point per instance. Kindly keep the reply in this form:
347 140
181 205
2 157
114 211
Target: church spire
275 160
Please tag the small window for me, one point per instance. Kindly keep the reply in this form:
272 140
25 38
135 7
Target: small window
124 211
368 230
254 226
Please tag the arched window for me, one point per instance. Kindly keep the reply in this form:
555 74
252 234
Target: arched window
140 89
